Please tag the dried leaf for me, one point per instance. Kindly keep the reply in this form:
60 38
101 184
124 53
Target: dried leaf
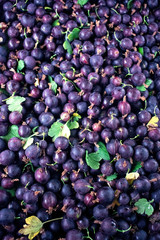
153 123
28 142
32 227
132 176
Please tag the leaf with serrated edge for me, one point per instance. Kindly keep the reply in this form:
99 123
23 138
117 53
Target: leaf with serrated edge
55 129
14 103
136 166
73 125
15 99
149 210
103 151
13 132
13 108
32 227
140 204
92 160
144 207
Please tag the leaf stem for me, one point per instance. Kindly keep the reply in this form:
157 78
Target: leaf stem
134 137
144 20
115 11
66 79
123 231
25 33
117 38
97 13
51 220
88 236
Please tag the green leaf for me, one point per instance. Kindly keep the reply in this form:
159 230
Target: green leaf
21 65
148 81
76 116
141 88
65 132
102 151
136 166
67 46
13 132
53 84
93 160
14 103
11 191
55 129
82 2
59 129
56 23
4 91
74 34
129 4
111 177
149 210
140 50
144 206
28 143
72 125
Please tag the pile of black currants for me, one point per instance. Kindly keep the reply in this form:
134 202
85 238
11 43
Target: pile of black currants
79 119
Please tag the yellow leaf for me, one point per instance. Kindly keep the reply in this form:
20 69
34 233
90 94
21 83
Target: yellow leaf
32 235
132 176
75 114
32 228
33 220
153 123
25 230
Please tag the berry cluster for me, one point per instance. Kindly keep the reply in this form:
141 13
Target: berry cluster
79 119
